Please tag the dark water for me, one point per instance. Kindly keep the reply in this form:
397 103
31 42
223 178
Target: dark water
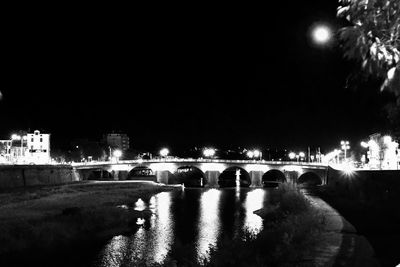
193 219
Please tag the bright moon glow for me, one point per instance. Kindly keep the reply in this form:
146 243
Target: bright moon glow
321 34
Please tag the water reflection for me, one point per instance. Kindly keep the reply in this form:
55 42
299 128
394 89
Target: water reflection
196 218
143 245
114 252
254 201
163 227
209 223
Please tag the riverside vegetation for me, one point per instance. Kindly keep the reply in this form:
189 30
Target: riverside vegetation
41 221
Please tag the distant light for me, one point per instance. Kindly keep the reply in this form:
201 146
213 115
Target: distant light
164 152
209 152
387 139
348 169
302 155
250 154
292 155
15 137
321 34
117 153
256 153
1 96
364 144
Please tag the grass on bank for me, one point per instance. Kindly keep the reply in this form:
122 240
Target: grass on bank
49 218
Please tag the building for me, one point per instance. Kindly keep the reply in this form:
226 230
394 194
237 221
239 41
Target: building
5 151
26 148
38 148
383 152
117 141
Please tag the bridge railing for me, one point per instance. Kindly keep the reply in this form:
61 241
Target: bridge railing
201 160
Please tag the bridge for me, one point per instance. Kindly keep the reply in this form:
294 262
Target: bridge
206 172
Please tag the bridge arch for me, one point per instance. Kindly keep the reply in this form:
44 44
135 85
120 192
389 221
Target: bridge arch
100 175
273 178
231 175
309 178
140 171
190 176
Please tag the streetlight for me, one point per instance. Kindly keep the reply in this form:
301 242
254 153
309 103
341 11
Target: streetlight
257 154
117 154
209 152
292 155
302 155
164 152
254 154
345 146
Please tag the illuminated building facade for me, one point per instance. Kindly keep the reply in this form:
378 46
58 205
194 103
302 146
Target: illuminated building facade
5 151
26 148
383 152
117 141
38 148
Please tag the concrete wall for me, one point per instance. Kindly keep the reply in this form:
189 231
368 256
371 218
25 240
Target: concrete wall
29 175
367 186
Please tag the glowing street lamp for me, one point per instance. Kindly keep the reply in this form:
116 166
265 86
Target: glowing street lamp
257 154
117 153
292 155
387 139
364 144
164 152
345 146
209 152
250 154
15 137
302 155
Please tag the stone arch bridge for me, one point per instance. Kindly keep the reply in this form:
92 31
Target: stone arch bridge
212 172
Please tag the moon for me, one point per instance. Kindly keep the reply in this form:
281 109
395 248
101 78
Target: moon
321 34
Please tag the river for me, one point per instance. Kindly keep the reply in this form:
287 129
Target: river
190 220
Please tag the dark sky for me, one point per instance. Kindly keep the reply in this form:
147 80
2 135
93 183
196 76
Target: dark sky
183 75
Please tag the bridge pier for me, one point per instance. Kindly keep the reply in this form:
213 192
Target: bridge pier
256 178
163 176
119 175
291 176
212 178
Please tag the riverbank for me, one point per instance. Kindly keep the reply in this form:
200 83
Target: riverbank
376 220
339 243
50 219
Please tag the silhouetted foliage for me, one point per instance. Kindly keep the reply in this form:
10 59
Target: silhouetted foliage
373 38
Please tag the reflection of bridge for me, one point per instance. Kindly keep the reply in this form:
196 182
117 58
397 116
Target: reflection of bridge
212 172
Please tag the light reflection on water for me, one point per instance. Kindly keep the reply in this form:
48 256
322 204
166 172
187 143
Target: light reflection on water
215 211
163 227
254 201
209 222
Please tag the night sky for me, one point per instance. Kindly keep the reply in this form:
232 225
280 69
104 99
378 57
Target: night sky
184 75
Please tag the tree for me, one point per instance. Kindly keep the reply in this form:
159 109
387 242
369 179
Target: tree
373 38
